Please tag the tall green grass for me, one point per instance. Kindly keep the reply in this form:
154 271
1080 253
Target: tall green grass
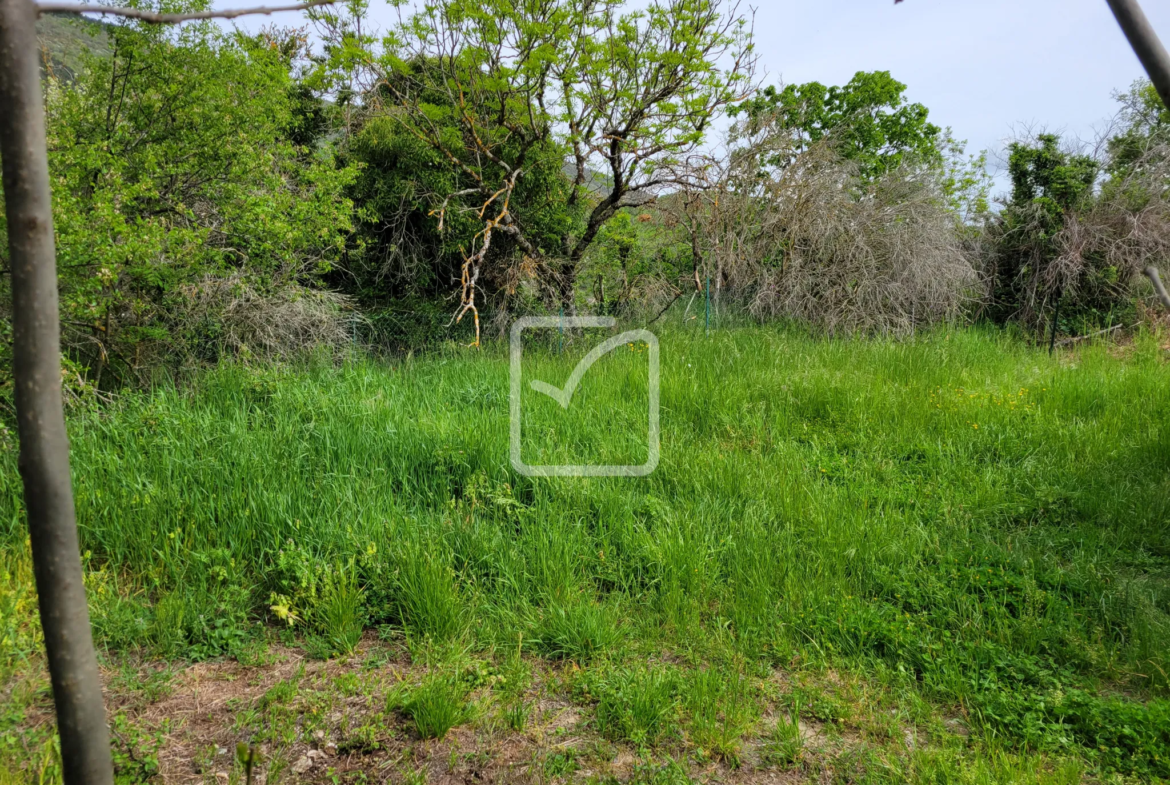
960 514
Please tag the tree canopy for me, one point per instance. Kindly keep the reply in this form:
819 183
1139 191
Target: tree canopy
500 90
868 120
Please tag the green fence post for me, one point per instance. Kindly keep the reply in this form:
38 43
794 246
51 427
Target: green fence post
708 320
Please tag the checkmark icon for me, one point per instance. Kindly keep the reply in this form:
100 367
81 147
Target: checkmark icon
564 396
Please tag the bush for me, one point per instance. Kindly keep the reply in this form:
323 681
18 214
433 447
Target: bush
815 242
192 217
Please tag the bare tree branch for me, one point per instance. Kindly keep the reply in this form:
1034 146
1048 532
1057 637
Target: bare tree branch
167 19
1156 280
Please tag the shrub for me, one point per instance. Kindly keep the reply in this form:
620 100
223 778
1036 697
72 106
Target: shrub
815 242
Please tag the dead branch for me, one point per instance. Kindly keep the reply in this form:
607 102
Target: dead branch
169 19
1152 274
1077 339
469 275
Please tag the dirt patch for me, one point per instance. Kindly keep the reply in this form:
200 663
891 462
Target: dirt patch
336 722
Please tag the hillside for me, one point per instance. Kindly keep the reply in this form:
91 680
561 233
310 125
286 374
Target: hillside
65 39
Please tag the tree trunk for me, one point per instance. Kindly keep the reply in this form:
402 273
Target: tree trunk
566 286
1145 43
44 446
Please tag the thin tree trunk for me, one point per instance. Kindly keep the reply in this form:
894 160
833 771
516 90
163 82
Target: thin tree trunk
44 446
1145 43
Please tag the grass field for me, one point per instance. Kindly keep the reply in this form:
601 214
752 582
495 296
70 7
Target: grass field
944 560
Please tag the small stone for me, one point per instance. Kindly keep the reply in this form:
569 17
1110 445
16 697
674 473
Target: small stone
330 749
314 754
303 764
319 735
221 750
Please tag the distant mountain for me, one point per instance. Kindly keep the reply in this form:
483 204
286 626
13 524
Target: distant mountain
65 38
596 182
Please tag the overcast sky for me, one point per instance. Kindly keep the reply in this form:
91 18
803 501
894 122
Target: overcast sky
986 68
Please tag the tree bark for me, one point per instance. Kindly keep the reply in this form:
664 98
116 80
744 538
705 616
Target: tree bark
44 446
1145 43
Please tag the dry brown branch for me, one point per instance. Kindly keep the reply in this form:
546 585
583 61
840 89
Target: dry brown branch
1079 338
469 275
156 18
288 322
810 241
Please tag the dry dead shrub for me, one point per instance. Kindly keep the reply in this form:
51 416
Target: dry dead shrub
810 241
887 261
230 315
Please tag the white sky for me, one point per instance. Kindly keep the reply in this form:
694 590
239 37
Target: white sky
985 68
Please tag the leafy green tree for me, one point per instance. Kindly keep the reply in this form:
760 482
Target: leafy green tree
174 161
868 120
1051 187
499 89
1143 142
1045 175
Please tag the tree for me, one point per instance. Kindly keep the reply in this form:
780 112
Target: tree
44 445
1071 244
1145 127
868 120
177 165
495 86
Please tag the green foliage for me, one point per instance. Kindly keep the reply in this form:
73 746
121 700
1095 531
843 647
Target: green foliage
517 714
1039 260
428 600
637 705
342 611
784 744
721 708
437 706
1145 126
578 631
868 120
323 596
961 518
400 190
173 161
488 101
1043 174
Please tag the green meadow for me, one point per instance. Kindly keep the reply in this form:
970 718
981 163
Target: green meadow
845 545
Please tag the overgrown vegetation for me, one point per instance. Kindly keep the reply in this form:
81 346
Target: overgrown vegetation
225 195
972 525
889 541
